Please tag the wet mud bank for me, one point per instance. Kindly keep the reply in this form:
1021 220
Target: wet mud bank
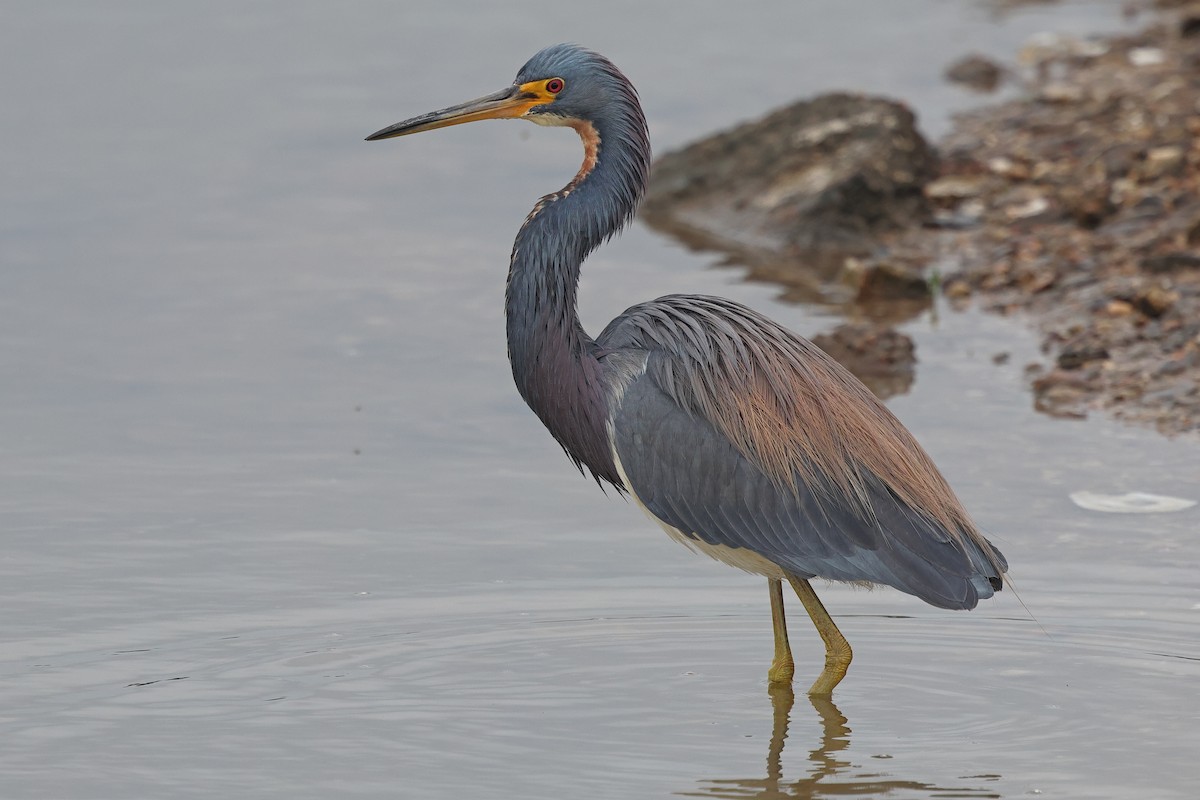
1076 206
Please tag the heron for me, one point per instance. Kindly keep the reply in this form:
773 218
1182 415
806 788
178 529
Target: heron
742 440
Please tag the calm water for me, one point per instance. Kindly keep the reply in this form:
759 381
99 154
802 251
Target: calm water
276 524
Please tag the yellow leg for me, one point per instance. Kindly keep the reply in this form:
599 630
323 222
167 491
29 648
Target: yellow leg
837 649
782 667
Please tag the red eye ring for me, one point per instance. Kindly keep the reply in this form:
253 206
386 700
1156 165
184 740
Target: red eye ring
555 85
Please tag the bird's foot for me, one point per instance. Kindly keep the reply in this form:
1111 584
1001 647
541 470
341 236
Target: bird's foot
782 670
837 662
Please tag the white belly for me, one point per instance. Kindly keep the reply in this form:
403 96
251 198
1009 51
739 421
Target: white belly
741 558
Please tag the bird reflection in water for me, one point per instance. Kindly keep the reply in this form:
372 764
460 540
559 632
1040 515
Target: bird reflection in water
830 772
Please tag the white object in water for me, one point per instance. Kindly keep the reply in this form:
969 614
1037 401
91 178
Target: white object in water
1131 503
1146 56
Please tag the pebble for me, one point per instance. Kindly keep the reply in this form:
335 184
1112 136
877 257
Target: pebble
1170 262
1154 302
955 187
1030 208
1146 56
1060 93
888 281
956 288
1162 161
1008 168
976 72
1074 356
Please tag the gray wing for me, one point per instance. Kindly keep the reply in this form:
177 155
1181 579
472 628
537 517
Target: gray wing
689 474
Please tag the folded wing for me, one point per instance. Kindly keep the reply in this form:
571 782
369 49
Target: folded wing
741 435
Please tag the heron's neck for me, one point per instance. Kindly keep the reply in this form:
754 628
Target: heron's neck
553 359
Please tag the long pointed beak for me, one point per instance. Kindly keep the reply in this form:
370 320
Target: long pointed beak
504 104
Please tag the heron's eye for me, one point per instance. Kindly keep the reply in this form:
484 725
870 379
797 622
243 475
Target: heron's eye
554 85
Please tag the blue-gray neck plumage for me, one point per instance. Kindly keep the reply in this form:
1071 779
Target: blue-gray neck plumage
555 363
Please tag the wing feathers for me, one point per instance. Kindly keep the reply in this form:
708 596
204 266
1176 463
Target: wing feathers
744 435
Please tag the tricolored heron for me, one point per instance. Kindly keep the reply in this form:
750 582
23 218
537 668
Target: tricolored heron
741 439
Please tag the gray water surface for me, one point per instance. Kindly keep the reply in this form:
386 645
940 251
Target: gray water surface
276 524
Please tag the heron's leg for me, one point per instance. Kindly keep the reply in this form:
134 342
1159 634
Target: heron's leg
837 649
782 667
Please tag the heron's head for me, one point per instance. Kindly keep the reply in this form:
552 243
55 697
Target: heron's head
564 84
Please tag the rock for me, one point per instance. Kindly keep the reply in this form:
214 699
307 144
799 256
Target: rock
1075 354
1060 93
1046 46
1154 302
1162 161
975 72
1064 394
966 214
1007 168
1087 206
885 280
1119 159
956 287
1041 50
880 357
952 188
1146 56
1189 23
1175 366
1036 280
1035 205
1182 336
1170 262
830 174
1118 308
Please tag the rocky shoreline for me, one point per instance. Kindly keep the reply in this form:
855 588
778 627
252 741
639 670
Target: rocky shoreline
1077 206
1080 207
